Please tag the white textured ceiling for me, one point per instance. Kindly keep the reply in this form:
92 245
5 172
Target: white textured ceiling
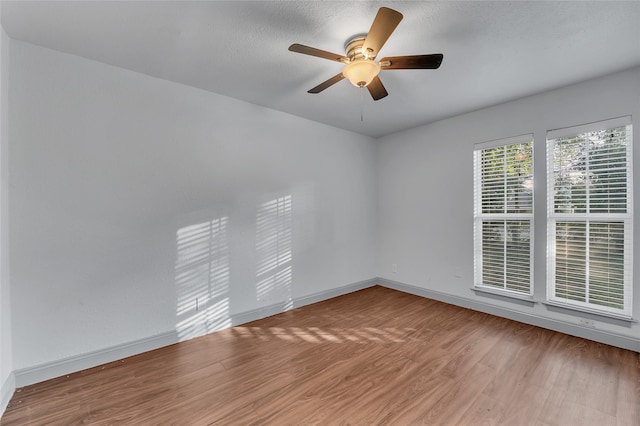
493 51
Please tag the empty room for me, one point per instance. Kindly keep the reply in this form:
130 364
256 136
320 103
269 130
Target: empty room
319 212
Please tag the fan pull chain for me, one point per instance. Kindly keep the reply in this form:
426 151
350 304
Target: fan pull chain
362 103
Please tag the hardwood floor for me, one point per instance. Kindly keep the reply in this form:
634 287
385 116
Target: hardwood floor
376 356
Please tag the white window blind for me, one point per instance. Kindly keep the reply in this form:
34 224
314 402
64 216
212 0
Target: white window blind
503 215
589 217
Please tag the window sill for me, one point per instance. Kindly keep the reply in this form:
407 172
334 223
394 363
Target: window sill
505 294
589 311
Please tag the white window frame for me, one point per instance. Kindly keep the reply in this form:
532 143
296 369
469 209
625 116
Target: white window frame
480 218
625 218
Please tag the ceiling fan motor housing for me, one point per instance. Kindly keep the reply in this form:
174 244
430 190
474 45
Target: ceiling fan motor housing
353 48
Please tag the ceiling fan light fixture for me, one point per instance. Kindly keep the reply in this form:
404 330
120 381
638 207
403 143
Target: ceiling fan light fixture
361 71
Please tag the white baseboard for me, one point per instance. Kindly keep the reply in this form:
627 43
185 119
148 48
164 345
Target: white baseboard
50 370
277 308
6 392
62 367
602 336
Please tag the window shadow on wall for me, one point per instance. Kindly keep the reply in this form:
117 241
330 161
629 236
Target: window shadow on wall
202 278
274 251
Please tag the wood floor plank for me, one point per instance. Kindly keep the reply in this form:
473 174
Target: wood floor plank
514 374
376 356
628 375
410 395
465 391
524 407
483 411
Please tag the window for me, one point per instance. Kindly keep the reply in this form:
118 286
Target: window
589 214
503 215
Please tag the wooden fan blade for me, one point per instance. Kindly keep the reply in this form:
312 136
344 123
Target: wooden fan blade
376 88
383 25
306 50
430 62
333 80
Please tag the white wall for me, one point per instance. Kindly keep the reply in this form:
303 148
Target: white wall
6 348
425 211
113 174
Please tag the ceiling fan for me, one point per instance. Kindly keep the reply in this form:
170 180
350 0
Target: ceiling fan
360 68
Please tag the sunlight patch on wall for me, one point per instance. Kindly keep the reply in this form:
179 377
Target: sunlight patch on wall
274 251
202 278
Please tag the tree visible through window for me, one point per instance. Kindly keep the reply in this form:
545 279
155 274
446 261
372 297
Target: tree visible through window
590 217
